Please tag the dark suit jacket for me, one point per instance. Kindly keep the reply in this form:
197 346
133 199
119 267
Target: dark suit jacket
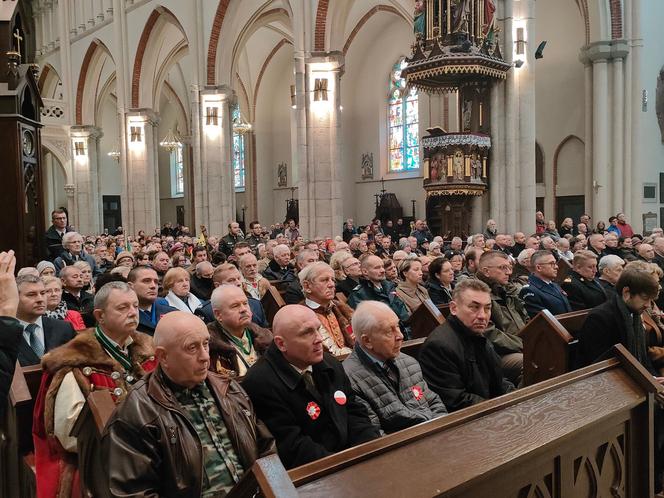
294 293
54 242
583 293
56 333
461 367
538 296
11 335
145 324
346 286
605 326
282 401
205 313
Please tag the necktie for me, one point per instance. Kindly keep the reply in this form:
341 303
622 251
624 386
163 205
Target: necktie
35 343
309 383
390 371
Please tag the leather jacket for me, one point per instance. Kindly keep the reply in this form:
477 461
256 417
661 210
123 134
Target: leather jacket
153 448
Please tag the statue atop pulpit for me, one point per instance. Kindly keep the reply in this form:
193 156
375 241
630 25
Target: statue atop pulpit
419 19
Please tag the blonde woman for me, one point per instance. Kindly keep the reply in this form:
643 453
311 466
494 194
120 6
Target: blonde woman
177 286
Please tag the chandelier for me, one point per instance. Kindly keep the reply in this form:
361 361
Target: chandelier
171 141
240 126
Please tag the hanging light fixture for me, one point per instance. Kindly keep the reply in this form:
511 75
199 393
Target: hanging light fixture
240 126
115 152
171 141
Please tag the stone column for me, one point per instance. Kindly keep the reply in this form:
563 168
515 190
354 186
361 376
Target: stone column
588 150
50 40
70 190
607 155
319 184
80 14
635 211
100 11
142 206
72 20
215 199
526 128
85 162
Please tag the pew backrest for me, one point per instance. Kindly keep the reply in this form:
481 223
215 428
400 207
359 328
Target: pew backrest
573 321
424 320
272 301
564 267
548 348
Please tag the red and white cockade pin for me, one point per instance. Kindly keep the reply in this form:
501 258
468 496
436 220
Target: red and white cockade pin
340 397
417 392
313 410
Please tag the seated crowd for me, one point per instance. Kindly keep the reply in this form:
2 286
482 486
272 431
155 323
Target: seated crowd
206 381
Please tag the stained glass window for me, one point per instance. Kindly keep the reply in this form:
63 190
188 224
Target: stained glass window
238 154
403 123
177 172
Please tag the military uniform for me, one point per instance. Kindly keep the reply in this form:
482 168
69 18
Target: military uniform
228 242
253 241
583 293
94 363
539 295
367 291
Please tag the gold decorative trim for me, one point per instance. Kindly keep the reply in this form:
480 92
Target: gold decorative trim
473 191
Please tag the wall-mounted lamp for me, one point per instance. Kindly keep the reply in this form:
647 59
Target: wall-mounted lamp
293 97
115 153
520 41
518 63
79 148
320 89
212 116
135 134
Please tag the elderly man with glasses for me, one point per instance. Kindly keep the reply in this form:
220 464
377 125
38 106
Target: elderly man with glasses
508 313
542 292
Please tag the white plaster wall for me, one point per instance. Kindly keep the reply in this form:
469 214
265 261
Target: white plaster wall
652 149
559 93
364 88
109 169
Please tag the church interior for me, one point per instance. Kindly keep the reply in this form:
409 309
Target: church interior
169 124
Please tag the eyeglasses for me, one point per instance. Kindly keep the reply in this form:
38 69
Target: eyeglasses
549 263
504 268
357 263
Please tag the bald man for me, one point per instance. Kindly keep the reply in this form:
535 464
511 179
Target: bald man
236 342
388 382
303 394
155 439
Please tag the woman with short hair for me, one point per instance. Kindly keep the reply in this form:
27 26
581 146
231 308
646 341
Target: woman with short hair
177 286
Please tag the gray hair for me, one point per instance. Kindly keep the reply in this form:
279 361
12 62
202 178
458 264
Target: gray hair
102 295
280 248
310 272
524 256
403 243
217 298
67 238
609 261
27 278
364 317
303 255
28 270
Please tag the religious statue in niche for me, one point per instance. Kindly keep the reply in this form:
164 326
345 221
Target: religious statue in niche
476 167
457 165
659 102
467 114
437 164
419 19
282 175
490 21
460 11
367 166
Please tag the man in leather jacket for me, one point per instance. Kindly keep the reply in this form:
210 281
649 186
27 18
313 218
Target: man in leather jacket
183 431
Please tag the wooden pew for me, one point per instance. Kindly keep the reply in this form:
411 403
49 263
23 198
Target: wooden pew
573 321
548 348
587 433
424 319
444 309
564 267
17 474
272 301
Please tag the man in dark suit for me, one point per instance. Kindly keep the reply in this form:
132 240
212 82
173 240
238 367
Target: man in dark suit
582 288
55 232
294 294
618 320
40 334
303 394
542 292
145 282
458 361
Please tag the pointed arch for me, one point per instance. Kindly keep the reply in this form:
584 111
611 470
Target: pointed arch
94 62
321 22
215 34
562 144
154 59
375 10
274 51
48 82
